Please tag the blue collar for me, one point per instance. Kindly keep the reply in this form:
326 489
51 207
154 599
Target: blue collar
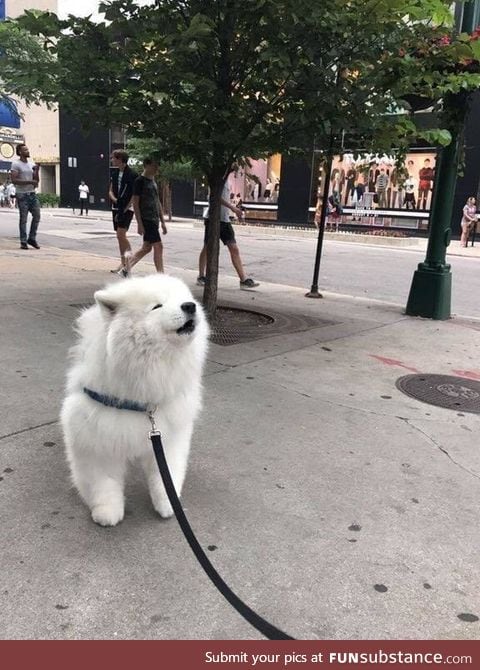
111 401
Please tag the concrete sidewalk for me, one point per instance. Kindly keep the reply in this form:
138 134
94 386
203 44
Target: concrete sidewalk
333 504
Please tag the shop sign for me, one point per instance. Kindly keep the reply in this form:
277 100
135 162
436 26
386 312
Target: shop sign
7 135
8 143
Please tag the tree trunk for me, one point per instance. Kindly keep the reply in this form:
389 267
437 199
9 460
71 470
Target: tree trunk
166 198
215 183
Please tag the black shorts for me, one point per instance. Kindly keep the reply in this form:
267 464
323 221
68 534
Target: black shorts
226 233
151 232
122 219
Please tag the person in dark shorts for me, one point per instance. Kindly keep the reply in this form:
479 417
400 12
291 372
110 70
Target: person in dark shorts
227 236
120 194
149 213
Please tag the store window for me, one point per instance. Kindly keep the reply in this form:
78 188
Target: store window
259 182
376 186
256 185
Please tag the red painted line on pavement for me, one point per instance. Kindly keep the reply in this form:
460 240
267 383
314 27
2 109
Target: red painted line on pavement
468 374
393 362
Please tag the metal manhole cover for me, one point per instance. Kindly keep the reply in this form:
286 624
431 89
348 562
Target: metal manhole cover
233 325
462 395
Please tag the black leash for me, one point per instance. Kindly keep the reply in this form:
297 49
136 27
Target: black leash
269 631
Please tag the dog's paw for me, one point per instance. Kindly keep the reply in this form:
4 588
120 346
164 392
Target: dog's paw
107 515
164 509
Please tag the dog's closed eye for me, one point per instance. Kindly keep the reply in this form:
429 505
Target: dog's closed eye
157 307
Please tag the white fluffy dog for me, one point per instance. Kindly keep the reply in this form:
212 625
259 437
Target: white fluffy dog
141 346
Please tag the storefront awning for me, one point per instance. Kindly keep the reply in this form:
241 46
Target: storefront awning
8 115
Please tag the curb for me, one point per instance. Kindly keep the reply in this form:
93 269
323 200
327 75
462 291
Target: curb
284 231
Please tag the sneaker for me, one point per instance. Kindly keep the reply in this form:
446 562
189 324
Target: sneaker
126 269
34 243
201 281
128 264
248 284
23 245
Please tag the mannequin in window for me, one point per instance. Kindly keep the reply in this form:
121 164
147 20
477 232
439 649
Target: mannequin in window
351 177
337 181
267 194
410 186
373 173
425 185
254 191
276 189
389 171
381 184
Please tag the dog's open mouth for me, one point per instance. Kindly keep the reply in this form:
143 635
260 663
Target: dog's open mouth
187 328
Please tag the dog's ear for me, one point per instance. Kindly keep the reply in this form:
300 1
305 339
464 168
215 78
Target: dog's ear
108 304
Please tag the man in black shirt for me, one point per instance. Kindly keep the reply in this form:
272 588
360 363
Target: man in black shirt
149 213
120 194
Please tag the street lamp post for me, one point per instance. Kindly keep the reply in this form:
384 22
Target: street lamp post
431 289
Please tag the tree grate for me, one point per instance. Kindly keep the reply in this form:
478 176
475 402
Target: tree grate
457 393
235 325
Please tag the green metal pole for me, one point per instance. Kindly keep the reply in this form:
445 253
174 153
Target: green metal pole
431 289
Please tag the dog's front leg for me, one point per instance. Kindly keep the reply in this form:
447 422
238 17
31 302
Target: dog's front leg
100 482
177 447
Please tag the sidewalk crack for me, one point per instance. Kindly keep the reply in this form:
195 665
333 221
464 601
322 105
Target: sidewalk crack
27 430
331 402
438 446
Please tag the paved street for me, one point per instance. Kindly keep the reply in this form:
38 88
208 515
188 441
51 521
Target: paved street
380 273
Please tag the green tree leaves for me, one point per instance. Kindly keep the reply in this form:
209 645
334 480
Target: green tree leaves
218 80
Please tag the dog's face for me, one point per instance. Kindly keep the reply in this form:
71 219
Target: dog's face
150 313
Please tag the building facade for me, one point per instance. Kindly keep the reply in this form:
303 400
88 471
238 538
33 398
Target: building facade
65 153
39 126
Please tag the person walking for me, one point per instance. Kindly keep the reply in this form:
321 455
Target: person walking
83 196
469 219
148 213
227 236
25 180
120 194
10 193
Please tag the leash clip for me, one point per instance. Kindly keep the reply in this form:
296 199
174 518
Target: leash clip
151 416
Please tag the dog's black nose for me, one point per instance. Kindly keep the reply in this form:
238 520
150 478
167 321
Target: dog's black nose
189 307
